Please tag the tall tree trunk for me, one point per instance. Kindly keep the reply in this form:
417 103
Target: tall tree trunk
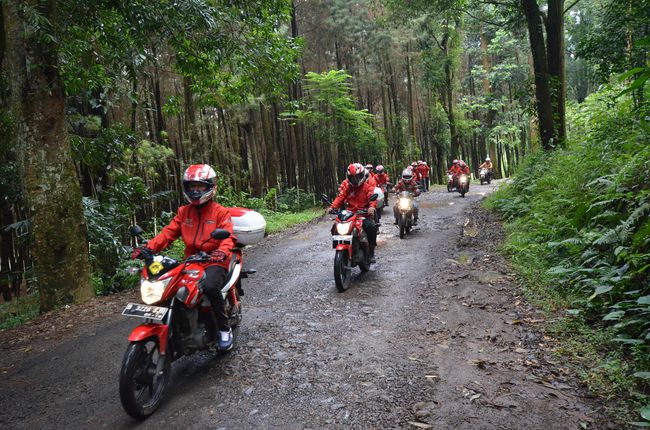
59 237
555 56
540 66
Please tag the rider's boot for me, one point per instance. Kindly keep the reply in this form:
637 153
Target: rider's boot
225 340
372 255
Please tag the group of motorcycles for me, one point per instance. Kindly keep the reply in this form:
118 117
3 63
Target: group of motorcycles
177 319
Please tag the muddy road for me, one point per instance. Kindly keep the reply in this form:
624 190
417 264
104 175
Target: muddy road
434 336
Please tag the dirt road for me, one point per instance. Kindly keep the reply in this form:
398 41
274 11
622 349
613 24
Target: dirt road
434 336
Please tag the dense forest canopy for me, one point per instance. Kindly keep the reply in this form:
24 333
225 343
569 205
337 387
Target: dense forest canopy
104 104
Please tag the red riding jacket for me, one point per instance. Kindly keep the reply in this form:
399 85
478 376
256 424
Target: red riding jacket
357 198
194 224
381 179
411 186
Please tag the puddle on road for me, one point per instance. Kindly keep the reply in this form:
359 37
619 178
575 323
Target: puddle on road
429 205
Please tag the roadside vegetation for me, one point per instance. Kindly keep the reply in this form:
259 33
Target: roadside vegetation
579 235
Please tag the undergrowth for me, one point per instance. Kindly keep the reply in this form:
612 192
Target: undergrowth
579 234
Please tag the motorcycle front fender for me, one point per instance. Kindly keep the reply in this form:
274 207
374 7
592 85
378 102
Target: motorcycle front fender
345 247
145 331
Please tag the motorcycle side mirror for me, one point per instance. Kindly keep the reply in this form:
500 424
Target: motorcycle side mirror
374 197
136 230
220 234
326 199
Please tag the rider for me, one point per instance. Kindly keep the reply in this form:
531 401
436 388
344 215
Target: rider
408 183
371 176
424 168
381 177
464 168
194 222
487 165
355 193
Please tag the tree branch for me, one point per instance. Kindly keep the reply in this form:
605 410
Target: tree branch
568 8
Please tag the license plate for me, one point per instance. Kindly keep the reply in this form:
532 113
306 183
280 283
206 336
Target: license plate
345 238
145 311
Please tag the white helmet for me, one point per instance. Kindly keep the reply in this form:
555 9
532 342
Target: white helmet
487 158
407 174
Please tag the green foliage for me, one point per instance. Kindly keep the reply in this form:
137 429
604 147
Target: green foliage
19 311
328 108
580 219
276 221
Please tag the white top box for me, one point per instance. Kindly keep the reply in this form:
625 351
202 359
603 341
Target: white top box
248 225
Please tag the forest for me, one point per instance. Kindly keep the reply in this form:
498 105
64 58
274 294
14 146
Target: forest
104 103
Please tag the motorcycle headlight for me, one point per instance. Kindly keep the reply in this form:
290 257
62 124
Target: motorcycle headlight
343 228
463 178
404 203
152 292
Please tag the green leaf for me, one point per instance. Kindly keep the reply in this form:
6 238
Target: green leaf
601 289
640 424
573 311
613 316
645 412
642 375
645 300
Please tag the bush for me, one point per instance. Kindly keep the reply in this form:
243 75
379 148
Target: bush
578 220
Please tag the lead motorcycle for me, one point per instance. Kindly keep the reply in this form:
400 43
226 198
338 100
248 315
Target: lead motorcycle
404 204
350 243
177 321
485 175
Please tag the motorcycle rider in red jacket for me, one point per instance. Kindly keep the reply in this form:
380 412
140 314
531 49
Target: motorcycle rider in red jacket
355 193
408 183
380 175
194 223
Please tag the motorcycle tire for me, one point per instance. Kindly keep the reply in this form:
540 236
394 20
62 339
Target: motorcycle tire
489 180
462 193
342 271
141 390
482 181
448 188
402 228
408 227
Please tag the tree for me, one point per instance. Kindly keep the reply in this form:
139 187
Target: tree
34 95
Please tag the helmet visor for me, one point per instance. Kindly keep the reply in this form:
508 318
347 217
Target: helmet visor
356 179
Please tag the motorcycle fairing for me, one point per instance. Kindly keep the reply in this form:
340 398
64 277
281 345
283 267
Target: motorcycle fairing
145 331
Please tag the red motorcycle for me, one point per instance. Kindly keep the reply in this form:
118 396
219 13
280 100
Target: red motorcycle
458 182
178 321
351 244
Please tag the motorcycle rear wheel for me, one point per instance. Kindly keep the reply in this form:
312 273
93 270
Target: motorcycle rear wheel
342 271
141 389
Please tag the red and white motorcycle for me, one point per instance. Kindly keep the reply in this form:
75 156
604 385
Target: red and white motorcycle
350 243
178 321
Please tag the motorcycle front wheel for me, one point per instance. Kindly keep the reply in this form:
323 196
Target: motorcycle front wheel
144 378
342 270
402 227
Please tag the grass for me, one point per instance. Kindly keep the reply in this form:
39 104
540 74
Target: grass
18 311
278 221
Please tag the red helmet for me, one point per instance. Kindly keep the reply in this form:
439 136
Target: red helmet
356 174
369 167
379 169
202 174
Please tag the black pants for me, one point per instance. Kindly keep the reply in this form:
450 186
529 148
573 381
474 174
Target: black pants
371 231
215 278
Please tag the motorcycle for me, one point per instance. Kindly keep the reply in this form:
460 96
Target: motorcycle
461 183
350 243
485 175
178 321
404 205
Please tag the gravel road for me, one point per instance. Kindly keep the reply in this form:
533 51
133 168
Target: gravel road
434 336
